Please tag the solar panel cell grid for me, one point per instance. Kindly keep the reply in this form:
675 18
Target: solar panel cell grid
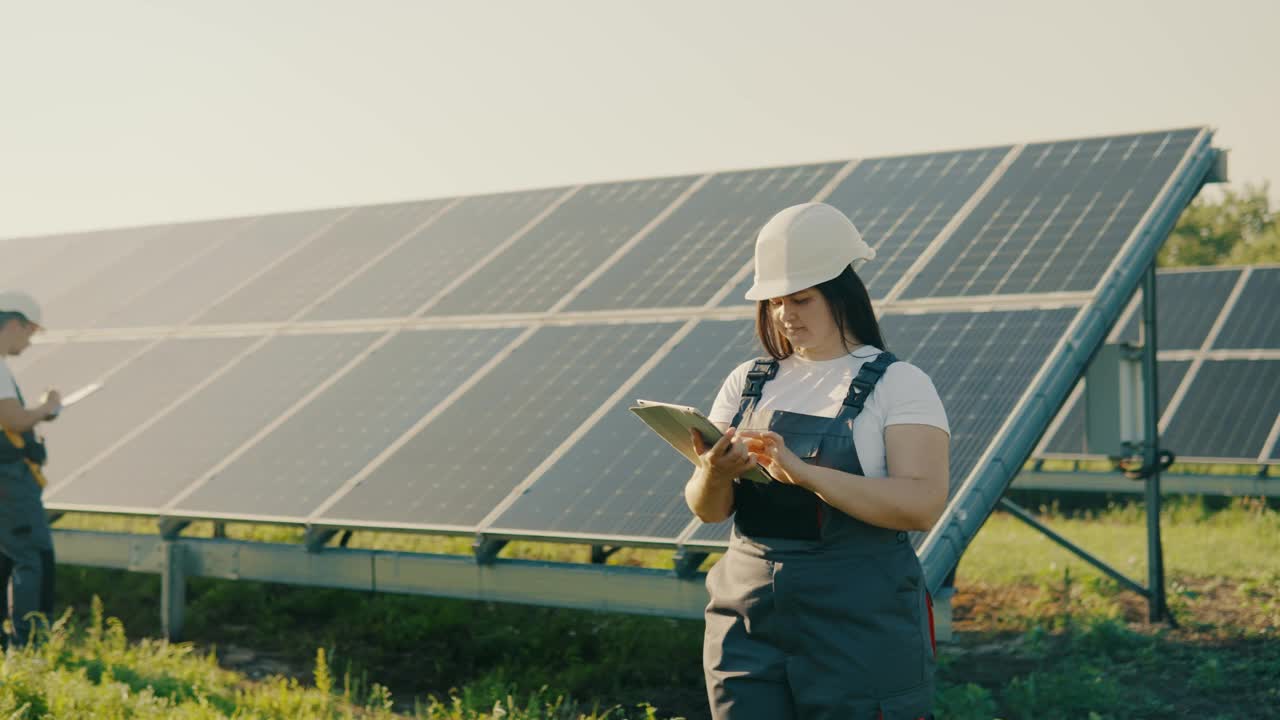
542 267
1228 410
321 265
415 272
1255 320
154 466
162 254
620 478
692 254
479 449
190 290
131 397
1056 219
1188 303
37 258
308 457
79 258
67 367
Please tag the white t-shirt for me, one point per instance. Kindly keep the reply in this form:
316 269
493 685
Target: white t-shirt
904 396
8 387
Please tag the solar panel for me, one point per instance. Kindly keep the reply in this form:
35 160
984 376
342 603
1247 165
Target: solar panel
36 253
79 258
308 457
1228 410
1255 322
692 254
67 367
562 250
1057 218
1187 304
475 452
327 262
151 468
620 479
980 362
130 397
29 357
415 272
516 420
214 274
1070 437
162 254
901 204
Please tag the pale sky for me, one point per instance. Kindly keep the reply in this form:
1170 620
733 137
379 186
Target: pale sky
129 112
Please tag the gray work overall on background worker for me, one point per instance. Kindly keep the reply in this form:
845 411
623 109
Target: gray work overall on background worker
818 608
26 545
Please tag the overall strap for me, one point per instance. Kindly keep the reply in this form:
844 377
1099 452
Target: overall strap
762 371
863 383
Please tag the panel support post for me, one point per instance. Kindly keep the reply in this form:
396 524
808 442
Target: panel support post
687 563
173 589
1157 610
171 528
486 549
600 553
316 538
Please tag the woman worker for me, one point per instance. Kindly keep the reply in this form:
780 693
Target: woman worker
818 608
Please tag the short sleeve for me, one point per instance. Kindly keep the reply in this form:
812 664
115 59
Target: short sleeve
7 388
726 403
912 398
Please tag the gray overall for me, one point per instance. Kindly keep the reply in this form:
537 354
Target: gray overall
815 615
26 545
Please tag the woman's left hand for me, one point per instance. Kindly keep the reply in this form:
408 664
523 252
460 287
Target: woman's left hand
771 451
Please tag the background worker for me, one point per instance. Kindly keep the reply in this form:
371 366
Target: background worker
26 545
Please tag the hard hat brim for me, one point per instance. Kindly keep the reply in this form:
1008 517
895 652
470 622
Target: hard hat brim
787 286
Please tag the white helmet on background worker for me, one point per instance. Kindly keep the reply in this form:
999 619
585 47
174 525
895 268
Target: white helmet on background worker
21 302
805 245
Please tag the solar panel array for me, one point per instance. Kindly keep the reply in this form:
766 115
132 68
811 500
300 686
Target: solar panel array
1219 368
463 365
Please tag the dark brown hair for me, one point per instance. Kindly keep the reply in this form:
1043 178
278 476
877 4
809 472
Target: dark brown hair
851 310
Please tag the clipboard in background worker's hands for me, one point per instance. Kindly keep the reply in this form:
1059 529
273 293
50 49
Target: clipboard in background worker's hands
76 397
673 422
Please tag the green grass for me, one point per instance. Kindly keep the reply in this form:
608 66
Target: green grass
97 673
1041 634
1239 541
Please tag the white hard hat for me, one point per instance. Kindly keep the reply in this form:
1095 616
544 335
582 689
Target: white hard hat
21 302
803 246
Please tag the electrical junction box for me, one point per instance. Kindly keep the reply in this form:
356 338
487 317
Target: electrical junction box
1113 396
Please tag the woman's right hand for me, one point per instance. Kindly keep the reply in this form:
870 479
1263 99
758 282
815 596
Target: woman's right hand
726 459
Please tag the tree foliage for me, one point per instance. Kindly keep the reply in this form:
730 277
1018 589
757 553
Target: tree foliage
1237 227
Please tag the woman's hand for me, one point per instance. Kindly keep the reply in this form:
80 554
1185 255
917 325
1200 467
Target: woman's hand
723 461
771 451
